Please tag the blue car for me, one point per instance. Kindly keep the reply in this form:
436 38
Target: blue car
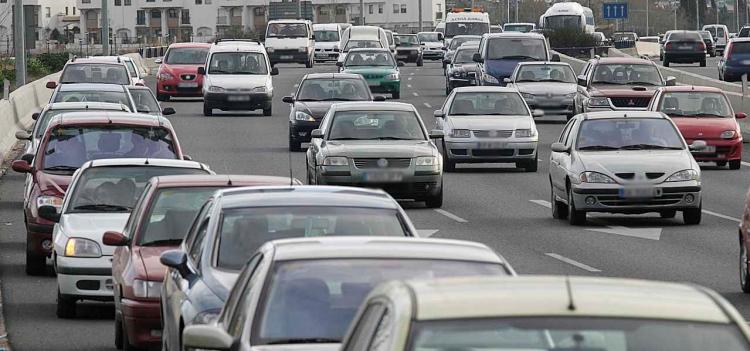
736 61
499 53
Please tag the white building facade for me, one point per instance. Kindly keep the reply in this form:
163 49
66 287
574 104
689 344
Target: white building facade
41 17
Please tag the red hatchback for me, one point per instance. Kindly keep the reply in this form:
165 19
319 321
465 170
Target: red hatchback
704 113
72 139
158 223
178 73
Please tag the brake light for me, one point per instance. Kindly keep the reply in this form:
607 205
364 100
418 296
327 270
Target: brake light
702 45
668 46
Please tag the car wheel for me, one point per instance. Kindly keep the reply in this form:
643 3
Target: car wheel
162 97
735 164
666 63
703 63
668 214
448 164
559 209
420 62
66 307
207 110
435 201
692 216
575 217
721 163
294 144
36 264
744 283
118 332
268 111
396 95
529 166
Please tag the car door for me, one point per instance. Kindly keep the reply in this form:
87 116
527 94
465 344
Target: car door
558 160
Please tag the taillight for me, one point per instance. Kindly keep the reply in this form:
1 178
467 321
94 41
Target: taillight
702 45
668 46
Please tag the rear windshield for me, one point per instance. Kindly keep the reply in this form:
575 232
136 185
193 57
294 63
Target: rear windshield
685 36
95 73
145 102
695 104
186 56
456 42
116 97
516 49
333 90
326 35
362 44
740 48
407 39
370 58
428 37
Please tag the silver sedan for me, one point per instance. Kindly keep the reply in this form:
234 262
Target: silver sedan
549 86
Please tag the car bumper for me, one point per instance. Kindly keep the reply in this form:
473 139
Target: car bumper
39 237
179 88
606 198
247 101
462 82
301 130
433 54
734 73
323 55
722 150
143 321
553 106
384 86
410 186
408 56
687 57
288 57
490 151
85 278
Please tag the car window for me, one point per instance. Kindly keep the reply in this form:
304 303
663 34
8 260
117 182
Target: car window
382 333
362 44
465 55
695 104
132 222
200 237
363 331
487 104
95 73
116 97
326 35
370 58
237 302
43 122
545 73
564 135
628 134
427 37
740 48
374 125
407 39
286 30
238 63
171 212
186 56
516 48
685 36
202 213
623 74
333 90
145 102
456 42
453 29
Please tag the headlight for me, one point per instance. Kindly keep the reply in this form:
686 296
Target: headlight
596 177
728 134
301 116
270 49
165 76
683 176
258 90
598 102
336 161
459 73
215 89
525 133
489 79
79 247
427 161
207 317
460 133
527 96
392 76
53 201
146 288
571 95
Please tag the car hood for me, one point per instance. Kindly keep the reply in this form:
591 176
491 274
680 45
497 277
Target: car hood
544 88
492 122
297 347
370 70
180 69
93 225
326 44
622 90
380 148
704 127
468 66
229 81
317 109
433 45
150 257
641 161
501 68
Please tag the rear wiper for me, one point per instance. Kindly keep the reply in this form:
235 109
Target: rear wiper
61 168
103 207
597 147
304 341
163 242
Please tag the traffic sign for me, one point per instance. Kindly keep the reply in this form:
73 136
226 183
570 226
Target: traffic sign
618 10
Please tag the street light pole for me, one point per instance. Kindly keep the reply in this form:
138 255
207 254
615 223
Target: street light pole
646 17
362 12
105 27
419 14
19 43
697 15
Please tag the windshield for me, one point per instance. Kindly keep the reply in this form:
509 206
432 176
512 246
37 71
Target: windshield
739 48
706 35
465 55
574 333
628 134
333 90
95 73
370 58
695 104
466 28
186 56
428 37
376 125
456 42
560 22
545 73
244 230
744 32
171 213
286 30
326 35
116 188
624 74
238 63
624 36
407 40
69 147
523 28
131 69
516 49
483 104
685 36
145 102
317 299
362 44
116 97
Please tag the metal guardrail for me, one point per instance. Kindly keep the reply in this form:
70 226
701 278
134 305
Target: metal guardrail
153 51
584 52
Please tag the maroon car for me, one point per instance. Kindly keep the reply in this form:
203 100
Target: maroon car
70 140
158 223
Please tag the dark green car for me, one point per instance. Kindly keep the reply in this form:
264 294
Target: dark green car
377 66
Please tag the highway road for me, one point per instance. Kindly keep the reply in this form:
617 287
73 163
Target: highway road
496 205
711 70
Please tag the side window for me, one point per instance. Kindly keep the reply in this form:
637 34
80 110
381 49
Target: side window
586 69
571 134
197 248
382 333
131 225
362 334
202 213
565 131
237 303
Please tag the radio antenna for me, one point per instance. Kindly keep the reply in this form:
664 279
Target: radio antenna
569 288
291 174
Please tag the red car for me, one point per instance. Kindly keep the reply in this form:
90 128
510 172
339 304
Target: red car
67 144
178 73
158 223
704 113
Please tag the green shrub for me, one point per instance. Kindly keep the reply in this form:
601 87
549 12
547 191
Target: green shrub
36 68
53 61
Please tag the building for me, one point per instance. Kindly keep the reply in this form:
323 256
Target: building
41 17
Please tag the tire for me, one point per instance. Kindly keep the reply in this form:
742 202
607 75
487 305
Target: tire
35 264
668 214
207 110
559 209
744 274
309 64
703 63
575 217
735 164
420 62
435 201
118 333
529 166
448 164
66 307
294 144
396 95
268 111
692 216
666 63
162 97
721 163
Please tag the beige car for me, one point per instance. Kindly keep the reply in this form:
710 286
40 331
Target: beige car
545 313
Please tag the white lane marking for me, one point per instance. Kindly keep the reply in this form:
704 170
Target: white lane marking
643 233
721 216
408 85
573 262
745 163
544 203
296 85
408 78
415 93
450 215
411 73
427 105
426 233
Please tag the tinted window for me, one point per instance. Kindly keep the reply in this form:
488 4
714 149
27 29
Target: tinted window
427 37
685 36
171 213
131 68
466 28
523 28
456 42
631 134
333 89
364 44
95 73
145 102
465 55
370 58
286 30
496 104
374 125
695 104
626 74
558 22
740 48
545 73
706 35
516 48
326 35
186 56
407 39
238 63
116 97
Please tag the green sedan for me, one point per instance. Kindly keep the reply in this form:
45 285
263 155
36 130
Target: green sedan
377 66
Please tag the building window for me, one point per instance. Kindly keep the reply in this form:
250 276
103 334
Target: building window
128 2
172 13
118 2
185 16
74 10
85 1
155 14
198 2
150 0
140 18
47 12
259 11
380 8
403 8
340 11
371 9
66 10
395 8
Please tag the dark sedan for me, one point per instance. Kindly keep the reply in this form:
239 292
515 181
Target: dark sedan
684 47
736 61
408 49
709 41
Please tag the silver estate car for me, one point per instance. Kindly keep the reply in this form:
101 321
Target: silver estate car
549 86
488 124
379 145
624 162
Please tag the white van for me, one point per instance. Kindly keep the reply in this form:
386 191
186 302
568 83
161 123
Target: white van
290 41
362 37
237 77
327 41
720 34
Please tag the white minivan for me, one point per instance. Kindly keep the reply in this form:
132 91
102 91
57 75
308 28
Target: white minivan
327 41
720 33
356 37
290 41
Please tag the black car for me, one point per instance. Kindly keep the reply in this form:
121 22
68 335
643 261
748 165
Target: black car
408 49
684 46
462 70
315 95
708 39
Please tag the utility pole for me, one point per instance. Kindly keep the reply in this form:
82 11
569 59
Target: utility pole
646 17
697 15
105 27
362 12
518 3
508 12
419 5
19 43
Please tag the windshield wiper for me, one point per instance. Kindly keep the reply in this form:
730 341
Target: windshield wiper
337 99
163 242
303 341
640 83
346 138
597 147
649 146
103 207
523 57
61 168
704 115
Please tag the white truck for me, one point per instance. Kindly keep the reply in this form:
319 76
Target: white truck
466 23
290 41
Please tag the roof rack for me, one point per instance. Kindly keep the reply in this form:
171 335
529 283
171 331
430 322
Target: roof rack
249 41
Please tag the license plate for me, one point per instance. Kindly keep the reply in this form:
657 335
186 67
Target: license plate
187 85
238 98
383 177
402 56
642 192
706 150
286 57
492 145
685 47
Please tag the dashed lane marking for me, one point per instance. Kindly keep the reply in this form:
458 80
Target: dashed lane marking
544 203
450 215
408 85
426 233
715 214
415 93
573 262
427 105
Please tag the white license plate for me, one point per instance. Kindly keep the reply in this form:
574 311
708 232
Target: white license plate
383 177
642 192
685 47
238 98
286 57
187 85
706 150
492 145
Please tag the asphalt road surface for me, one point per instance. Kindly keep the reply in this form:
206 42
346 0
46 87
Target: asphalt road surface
711 70
493 204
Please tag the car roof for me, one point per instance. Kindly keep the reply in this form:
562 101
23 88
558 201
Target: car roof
146 162
301 195
485 89
526 296
332 75
95 59
190 45
201 180
91 86
111 117
370 49
688 88
382 247
624 60
543 63
373 106
288 21
87 106
623 114
515 35
239 46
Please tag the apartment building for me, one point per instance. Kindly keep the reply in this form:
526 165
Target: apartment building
41 17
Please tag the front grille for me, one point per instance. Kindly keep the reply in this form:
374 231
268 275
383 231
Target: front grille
492 152
286 51
372 76
188 77
489 133
654 175
373 162
625 175
615 201
630 102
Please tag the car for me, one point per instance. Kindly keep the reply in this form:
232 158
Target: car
548 86
432 45
93 92
684 46
628 162
455 43
106 69
234 223
620 83
408 49
158 222
101 195
600 39
391 41
303 293
744 32
461 70
542 313
290 41
146 102
327 41
488 124
83 136
736 60
704 113
519 27
709 41
177 75
720 34
496 28
362 37
625 37
379 145
238 76
377 66
136 76
315 95
500 53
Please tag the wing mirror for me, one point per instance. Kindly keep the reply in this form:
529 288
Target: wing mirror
555 58
671 81
35 116
274 71
23 135
316 134
206 337
49 213
339 64
201 71
158 61
582 81
378 98
537 113
447 61
21 166
507 80
168 111
740 115
437 134
112 238
288 99
477 57
698 145
438 114
51 85
29 158
559 147
176 259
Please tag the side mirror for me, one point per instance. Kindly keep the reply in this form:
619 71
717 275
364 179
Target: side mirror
274 71
168 111
201 71
51 85
401 63
740 115
438 114
35 116
29 158
477 57
206 337
378 98
23 135
112 238
507 80
187 157
582 81
437 134
176 259
49 213
21 166
698 145
339 64
440 36
312 37
316 134
671 81
158 61
447 61
559 147
288 99
555 58
537 113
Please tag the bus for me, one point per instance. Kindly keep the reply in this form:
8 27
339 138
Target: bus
568 15
466 23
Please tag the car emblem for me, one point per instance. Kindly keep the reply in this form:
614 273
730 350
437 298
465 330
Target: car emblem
382 163
493 133
631 102
549 95
700 134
